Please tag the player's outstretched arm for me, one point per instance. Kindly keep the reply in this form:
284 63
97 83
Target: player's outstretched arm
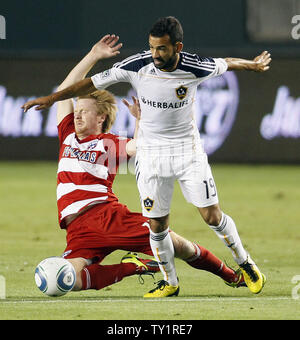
261 63
105 48
80 88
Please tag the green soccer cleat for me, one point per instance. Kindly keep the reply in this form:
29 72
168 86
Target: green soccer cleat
144 266
240 282
254 279
163 289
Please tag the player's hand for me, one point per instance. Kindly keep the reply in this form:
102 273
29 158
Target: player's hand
40 103
134 108
262 62
107 47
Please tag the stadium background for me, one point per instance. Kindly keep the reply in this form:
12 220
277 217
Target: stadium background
244 118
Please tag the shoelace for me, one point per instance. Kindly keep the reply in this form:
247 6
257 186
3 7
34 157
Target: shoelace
141 279
160 285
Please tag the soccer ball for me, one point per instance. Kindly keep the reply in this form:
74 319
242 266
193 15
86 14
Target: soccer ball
55 276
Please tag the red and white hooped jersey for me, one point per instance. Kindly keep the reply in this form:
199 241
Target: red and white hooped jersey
86 168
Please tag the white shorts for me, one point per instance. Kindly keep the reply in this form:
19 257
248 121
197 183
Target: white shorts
156 174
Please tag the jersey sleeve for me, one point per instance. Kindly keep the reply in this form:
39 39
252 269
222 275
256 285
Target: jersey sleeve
124 71
220 66
211 67
111 76
65 127
202 67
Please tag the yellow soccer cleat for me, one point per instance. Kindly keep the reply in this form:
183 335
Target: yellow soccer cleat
143 266
254 279
163 289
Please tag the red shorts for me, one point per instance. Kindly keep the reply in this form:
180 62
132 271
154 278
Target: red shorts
105 228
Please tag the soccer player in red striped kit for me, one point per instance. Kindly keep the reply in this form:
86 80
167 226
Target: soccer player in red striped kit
96 223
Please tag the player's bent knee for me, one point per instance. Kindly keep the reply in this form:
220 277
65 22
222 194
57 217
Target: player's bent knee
213 220
159 224
211 215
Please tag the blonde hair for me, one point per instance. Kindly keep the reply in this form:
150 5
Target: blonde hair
106 104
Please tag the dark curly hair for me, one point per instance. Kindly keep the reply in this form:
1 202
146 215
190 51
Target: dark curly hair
168 25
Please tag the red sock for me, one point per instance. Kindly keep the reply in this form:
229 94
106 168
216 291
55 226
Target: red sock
98 276
205 260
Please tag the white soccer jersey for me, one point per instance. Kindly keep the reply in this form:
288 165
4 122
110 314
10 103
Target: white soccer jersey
166 98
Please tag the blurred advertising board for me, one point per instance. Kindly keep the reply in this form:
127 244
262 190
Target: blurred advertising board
243 117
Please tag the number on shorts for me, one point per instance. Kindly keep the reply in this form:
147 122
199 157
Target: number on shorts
211 184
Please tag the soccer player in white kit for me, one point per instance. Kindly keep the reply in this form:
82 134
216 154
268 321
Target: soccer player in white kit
169 146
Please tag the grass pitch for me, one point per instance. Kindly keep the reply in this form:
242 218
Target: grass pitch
263 200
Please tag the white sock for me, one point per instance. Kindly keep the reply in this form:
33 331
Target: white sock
227 232
163 251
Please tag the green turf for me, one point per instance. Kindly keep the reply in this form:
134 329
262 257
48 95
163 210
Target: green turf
263 200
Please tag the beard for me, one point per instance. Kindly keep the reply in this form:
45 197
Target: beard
166 64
